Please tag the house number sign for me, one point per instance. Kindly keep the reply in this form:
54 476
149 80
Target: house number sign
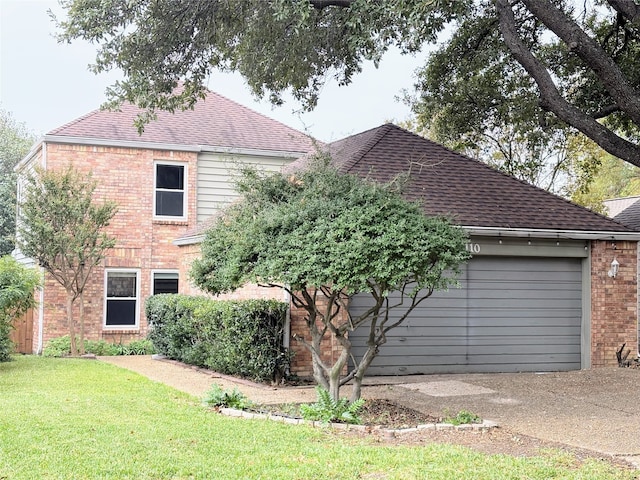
473 247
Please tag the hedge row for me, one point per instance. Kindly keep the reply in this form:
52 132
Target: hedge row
241 338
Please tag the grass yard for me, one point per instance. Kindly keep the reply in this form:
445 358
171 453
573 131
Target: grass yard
79 419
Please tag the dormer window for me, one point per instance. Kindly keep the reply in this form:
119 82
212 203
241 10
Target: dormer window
170 190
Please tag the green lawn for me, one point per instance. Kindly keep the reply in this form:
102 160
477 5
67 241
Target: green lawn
79 419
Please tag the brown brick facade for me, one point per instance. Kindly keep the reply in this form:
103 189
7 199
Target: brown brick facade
126 176
614 301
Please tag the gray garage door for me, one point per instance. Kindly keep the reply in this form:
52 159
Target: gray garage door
512 314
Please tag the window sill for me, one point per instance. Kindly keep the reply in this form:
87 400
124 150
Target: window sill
119 330
168 221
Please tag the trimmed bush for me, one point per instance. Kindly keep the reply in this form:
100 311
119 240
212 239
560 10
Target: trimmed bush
241 338
61 347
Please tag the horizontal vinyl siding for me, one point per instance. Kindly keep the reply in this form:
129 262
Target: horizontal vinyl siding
510 314
215 187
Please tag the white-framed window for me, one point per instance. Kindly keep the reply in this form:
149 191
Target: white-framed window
164 281
170 190
122 298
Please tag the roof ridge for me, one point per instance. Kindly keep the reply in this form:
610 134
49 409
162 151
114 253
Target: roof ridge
380 132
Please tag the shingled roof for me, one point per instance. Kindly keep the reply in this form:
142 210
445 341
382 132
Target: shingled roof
630 216
215 121
448 183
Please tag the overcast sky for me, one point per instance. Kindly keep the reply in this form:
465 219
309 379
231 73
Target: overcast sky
45 84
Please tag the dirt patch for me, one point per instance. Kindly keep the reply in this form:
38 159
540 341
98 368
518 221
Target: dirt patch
388 414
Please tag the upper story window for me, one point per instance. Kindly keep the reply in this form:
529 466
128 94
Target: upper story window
170 190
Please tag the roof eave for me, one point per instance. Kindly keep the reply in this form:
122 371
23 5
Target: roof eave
191 240
552 233
29 156
101 142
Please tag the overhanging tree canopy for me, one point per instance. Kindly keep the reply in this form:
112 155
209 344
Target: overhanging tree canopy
323 235
562 62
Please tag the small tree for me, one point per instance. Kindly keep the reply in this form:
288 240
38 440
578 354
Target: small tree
15 141
61 228
17 285
323 236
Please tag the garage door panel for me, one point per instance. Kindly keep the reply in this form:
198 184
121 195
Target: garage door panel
522 331
530 320
483 353
512 314
493 341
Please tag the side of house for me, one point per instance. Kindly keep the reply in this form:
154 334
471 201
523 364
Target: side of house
176 174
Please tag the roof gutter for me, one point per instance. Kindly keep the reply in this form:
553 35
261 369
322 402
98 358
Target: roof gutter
551 233
100 142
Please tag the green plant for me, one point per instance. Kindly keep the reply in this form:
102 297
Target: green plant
219 397
61 347
463 417
17 285
241 338
326 409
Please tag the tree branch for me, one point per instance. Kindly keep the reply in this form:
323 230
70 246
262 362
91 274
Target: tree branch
550 98
627 8
591 53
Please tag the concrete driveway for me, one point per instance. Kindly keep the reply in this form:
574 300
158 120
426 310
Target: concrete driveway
595 409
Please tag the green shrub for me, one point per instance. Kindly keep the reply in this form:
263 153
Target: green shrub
61 347
219 397
17 284
327 410
463 417
241 338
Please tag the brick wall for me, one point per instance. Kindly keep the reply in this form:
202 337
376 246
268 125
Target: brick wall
301 364
126 176
614 301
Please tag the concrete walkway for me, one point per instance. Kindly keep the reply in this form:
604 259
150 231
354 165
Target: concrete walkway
593 409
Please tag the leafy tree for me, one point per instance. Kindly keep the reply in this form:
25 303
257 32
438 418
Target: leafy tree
15 141
17 285
605 176
61 227
538 65
323 236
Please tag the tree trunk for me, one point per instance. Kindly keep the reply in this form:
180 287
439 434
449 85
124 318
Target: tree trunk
81 320
361 368
336 373
72 328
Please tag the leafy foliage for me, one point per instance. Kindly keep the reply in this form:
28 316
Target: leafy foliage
219 397
328 410
604 177
17 285
15 141
322 236
504 73
61 347
61 228
463 417
242 338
